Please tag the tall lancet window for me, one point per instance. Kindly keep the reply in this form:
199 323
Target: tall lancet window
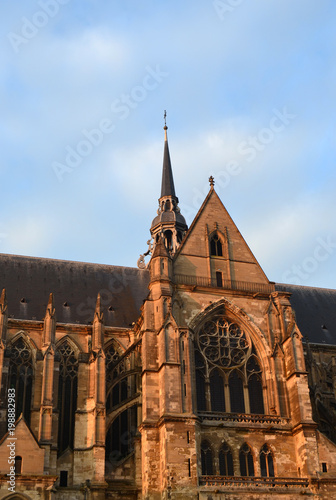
67 396
216 248
21 377
266 462
228 371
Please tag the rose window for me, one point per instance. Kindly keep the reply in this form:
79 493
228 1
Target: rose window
223 344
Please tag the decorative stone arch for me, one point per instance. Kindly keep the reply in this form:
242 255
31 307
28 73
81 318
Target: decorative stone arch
116 344
22 334
67 339
16 496
262 350
222 306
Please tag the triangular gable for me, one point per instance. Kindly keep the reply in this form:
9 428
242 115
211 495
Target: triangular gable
24 444
192 257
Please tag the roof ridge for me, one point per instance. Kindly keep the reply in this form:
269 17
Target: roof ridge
305 286
67 261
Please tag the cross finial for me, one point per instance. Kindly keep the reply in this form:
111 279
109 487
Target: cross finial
165 116
212 182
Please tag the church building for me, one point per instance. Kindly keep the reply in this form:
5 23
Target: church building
190 377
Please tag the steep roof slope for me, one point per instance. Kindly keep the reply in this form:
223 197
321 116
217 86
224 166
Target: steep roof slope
75 285
315 310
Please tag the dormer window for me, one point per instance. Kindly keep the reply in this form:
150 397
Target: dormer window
216 248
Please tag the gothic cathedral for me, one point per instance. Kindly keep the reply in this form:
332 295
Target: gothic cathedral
190 377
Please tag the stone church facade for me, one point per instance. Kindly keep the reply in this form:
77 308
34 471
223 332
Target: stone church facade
191 377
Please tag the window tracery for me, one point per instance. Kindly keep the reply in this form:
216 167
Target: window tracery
21 377
223 344
67 396
228 371
121 378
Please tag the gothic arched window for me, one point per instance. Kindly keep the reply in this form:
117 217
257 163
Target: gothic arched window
216 248
228 372
236 393
225 460
246 461
67 396
200 382
255 389
217 391
206 459
21 377
266 462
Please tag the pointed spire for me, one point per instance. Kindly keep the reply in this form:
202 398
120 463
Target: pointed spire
169 223
160 249
98 312
49 329
98 326
50 306
3 301
167 185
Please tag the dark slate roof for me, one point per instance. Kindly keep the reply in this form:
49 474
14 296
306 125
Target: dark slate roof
167 185
75 286
315 310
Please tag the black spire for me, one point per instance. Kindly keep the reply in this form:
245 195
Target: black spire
167 186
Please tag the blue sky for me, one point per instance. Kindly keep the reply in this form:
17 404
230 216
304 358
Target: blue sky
249 89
